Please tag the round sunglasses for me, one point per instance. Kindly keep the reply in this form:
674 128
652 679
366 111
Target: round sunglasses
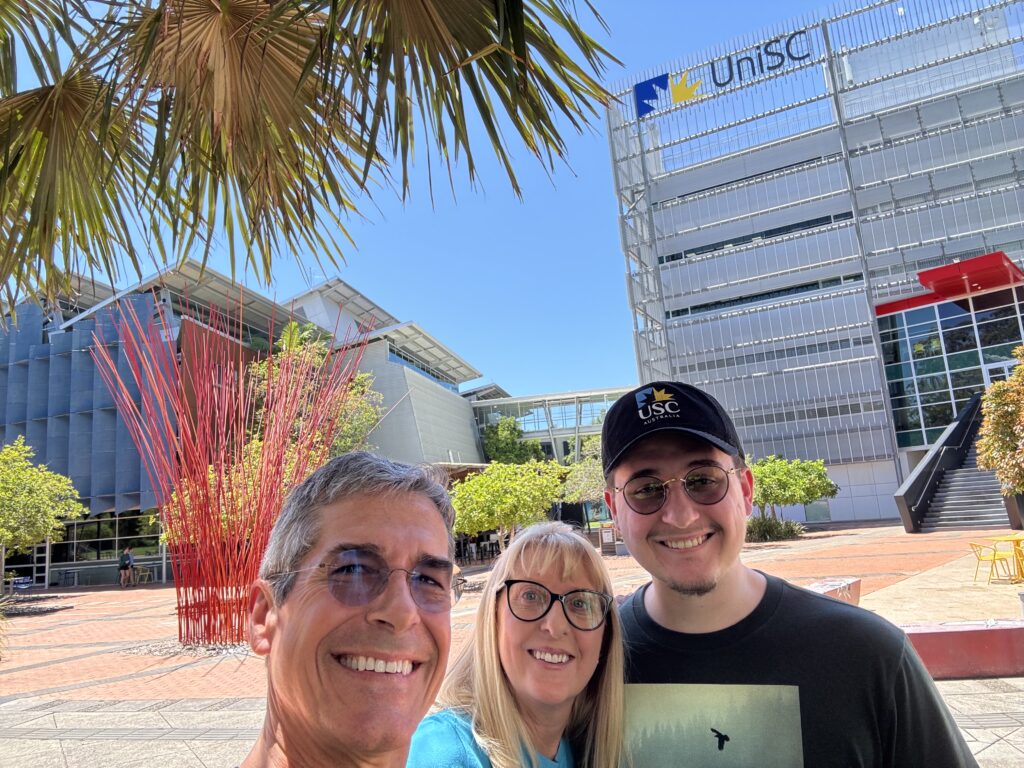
357 577
646 494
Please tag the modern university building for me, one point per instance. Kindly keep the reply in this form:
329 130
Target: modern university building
52 394
823 225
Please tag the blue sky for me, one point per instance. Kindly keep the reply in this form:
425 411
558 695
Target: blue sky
531 292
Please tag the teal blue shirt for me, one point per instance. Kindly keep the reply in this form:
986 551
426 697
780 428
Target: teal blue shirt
445 740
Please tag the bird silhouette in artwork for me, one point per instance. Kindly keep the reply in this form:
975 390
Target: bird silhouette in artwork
722 738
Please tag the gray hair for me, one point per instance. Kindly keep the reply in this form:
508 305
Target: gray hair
298 527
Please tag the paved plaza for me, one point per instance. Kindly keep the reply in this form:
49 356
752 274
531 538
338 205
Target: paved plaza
102 682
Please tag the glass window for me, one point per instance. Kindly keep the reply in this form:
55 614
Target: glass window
904 402
998 354
999 332
993 300
909 439
128 526
933 398
906 418
962 360
149 523
966 378
925 345
143 545
895 351
957 322
933 383
954 311
87 531
920 315
931 435
63 552
960 339
86 551
930 365
937 415
896 372
900 388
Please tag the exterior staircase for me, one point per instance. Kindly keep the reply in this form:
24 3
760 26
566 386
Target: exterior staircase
967 498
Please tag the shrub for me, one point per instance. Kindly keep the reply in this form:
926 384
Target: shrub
770 529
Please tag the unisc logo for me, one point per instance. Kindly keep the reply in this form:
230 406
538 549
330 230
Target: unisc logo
766 58
651 403
763 59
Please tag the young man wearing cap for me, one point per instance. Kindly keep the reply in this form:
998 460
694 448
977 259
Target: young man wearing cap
730 666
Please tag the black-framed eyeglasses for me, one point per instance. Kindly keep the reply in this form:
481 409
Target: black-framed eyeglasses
646 494
356 577
583 608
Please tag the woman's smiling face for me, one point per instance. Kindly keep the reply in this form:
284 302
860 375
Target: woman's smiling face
548 662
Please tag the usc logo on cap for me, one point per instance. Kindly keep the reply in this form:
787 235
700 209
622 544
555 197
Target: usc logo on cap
652 402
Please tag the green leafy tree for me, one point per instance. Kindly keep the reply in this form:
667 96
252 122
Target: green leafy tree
584 480
506 496
34 502
1001 438
781 482
360 410
166 126
503 442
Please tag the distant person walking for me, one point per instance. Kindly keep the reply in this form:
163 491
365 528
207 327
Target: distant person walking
125 566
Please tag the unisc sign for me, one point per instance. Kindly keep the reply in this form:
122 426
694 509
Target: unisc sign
768 57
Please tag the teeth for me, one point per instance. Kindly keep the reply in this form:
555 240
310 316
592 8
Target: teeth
685 543
370 664
551 658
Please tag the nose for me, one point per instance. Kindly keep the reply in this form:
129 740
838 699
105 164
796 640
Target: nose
554 621
394 608
679 509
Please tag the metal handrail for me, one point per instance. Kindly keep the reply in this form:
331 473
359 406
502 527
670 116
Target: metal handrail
916 491
969 432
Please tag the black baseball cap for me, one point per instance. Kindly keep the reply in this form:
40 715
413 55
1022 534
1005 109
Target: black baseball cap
665 406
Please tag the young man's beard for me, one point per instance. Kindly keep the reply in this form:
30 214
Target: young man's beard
692 589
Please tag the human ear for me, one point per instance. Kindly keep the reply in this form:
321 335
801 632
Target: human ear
262 617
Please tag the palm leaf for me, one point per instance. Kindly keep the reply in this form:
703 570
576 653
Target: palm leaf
241 135
70 170
400 61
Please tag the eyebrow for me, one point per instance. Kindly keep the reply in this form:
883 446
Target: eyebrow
695 464
423 561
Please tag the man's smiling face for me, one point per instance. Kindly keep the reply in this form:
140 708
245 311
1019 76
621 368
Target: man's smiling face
324 690
690 548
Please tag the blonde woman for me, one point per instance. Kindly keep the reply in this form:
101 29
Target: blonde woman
539 682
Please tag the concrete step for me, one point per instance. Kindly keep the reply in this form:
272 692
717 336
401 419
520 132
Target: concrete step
928 527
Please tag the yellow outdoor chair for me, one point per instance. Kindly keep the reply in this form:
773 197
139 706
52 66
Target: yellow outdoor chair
143 575
1000 562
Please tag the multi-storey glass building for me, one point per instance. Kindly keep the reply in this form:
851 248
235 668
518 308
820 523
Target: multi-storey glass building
822 225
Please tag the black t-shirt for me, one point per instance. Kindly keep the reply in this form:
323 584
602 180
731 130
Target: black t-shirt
804 680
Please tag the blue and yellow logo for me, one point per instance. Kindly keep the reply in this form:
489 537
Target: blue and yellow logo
648 92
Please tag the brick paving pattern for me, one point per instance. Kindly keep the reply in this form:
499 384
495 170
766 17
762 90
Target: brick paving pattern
78 687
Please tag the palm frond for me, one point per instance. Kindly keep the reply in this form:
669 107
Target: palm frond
440 59
35 25
69 193
241 134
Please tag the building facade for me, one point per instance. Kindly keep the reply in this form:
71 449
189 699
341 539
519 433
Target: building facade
822 225
52 394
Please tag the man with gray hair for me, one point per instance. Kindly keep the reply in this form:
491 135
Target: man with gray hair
352 611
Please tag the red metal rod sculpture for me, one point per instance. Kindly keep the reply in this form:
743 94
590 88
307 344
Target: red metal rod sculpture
220 466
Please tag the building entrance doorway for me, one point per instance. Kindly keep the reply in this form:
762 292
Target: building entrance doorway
998 371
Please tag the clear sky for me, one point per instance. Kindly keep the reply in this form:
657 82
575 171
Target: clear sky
532 292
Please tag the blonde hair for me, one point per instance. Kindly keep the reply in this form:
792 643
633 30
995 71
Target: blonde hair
476 682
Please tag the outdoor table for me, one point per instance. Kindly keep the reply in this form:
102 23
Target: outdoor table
1017 540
